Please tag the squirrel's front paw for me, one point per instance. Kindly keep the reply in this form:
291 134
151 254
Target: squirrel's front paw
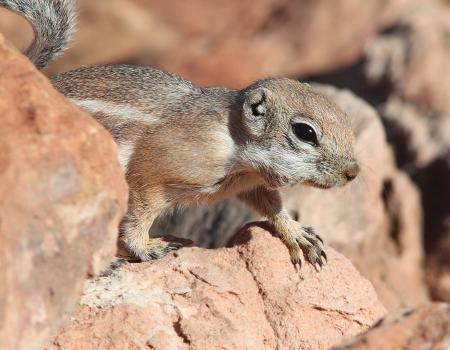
304 239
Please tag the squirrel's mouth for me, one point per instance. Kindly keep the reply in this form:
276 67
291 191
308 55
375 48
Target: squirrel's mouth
315 184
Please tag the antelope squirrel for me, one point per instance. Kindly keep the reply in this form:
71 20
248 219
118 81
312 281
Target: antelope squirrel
179 143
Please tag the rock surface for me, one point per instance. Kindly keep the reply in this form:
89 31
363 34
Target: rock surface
221 43
405 73
247 296
411 62
417 116
231 43
61 198
427 327
412 55
375 221
422 141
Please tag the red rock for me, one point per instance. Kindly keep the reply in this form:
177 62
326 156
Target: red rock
231 43
423 149
405 73
61 197
111 31
413 56
248 296
376 220
427 327
223 42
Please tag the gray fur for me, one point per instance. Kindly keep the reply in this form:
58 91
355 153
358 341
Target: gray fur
53 22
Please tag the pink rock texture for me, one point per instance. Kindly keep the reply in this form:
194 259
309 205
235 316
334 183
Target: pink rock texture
376 221
423 149
413 55
405 73
231 43
412 58
220 42
62 195
426 327
246 296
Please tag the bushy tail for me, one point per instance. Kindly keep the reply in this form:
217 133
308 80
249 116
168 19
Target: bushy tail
53 22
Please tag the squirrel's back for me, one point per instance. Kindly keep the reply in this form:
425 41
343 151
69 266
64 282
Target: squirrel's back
109 82
53 23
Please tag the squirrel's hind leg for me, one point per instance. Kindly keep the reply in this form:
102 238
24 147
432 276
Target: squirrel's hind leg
135 241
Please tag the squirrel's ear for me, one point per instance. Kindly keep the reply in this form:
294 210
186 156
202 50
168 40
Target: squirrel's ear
255 110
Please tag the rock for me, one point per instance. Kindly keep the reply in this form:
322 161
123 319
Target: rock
412 55
379 227
376 221
419 137
108 31
16 29
438 266
413 58
113 31
223 43
405 74
433 179
423 149
271 37
422 145
247 296
427 327
62 195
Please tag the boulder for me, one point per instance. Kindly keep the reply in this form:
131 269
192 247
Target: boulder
108 31
246 296
422 144
62 195
412 59
426 327
412 56
231 43
222 43
405 73
377 220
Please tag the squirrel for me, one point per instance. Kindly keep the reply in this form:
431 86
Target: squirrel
180 144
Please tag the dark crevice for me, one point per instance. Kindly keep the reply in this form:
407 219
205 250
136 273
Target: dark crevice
394 224
400 139
354 78
179 330
435 190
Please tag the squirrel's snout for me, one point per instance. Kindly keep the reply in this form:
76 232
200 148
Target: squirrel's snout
352 170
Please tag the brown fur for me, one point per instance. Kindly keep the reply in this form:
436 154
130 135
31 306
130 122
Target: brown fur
199 145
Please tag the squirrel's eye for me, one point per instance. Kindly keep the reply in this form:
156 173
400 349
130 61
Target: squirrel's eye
305 133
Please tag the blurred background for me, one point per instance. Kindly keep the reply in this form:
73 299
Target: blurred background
395 54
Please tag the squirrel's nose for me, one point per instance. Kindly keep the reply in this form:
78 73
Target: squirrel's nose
352 171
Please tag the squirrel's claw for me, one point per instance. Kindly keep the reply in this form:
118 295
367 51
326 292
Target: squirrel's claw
310 244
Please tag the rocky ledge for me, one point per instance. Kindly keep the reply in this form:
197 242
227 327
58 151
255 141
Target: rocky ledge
245 296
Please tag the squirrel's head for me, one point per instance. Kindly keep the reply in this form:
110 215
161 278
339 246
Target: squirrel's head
296 135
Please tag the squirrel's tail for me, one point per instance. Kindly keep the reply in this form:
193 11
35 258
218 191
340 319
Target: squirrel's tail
53 22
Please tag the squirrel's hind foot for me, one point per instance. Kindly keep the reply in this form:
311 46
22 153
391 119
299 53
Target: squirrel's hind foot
153 248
